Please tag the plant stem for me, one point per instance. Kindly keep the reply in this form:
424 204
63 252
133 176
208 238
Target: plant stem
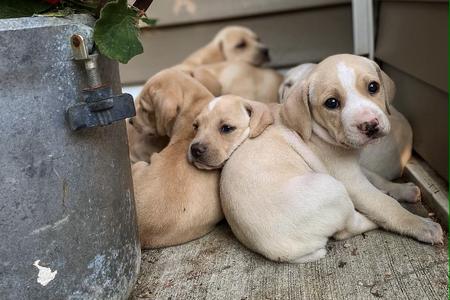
142 4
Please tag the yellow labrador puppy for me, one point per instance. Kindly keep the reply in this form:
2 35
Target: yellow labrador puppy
383 160
338 109
141 145
281 202
175 202
232 43
149 131
272 189
240 79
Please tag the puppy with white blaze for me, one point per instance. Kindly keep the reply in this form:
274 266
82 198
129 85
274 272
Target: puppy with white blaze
339 108
275 192
383 160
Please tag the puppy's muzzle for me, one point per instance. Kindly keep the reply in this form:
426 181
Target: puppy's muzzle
370 129
265 54
197 150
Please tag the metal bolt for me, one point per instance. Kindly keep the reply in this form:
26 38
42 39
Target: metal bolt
93 76
80 52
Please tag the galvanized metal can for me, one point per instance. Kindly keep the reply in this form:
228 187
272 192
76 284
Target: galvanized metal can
67 215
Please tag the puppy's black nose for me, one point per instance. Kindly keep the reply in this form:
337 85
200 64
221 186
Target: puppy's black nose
197 150
265 52
369 128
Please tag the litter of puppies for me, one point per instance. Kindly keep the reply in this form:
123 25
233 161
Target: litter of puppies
289 162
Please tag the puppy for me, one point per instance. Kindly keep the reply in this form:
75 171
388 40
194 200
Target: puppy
292 76
340 108
240 79
149 131
232 43
271 190
142 146
175 202
381 161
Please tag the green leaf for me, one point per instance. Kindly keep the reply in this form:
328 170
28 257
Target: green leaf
148 21
21 8
116 34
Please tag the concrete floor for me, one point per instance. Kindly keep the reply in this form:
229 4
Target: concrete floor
375 265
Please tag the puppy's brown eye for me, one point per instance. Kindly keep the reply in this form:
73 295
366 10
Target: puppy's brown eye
332 103
195 126
288 84
373 87
241 45
227 129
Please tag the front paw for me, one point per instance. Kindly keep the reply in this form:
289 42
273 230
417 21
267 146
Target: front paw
406 192
412 192
429 232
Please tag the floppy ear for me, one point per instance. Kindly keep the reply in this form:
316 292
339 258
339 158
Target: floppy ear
295 111
208 79
211 53
260 117
282 91
388 86
166 108
144 119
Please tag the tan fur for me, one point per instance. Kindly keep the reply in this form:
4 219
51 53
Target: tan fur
249 119
295 111
175 202
387 157
162 98
271 195
142 146
225 47
336 141
241 79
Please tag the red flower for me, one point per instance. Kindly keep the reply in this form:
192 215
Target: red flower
53 2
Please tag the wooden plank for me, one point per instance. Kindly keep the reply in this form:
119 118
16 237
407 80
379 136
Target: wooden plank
293 37
177 12
413 38
217 266
434 189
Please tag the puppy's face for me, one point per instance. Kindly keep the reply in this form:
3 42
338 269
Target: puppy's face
222 126
167 95
241 44
346 99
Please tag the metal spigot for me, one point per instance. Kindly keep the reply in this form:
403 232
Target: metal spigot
99 106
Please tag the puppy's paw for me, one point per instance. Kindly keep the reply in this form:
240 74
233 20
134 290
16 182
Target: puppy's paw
411 193
429 232
406 192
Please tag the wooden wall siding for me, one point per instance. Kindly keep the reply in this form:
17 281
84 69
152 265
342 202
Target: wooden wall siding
412 36
426 108
293 37
176 12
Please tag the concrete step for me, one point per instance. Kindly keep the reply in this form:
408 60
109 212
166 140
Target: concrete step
375 265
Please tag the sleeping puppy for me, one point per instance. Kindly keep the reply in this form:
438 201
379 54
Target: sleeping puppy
232 43
381 161
240 79
272 187
175 202
338 109
149 131
142 146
